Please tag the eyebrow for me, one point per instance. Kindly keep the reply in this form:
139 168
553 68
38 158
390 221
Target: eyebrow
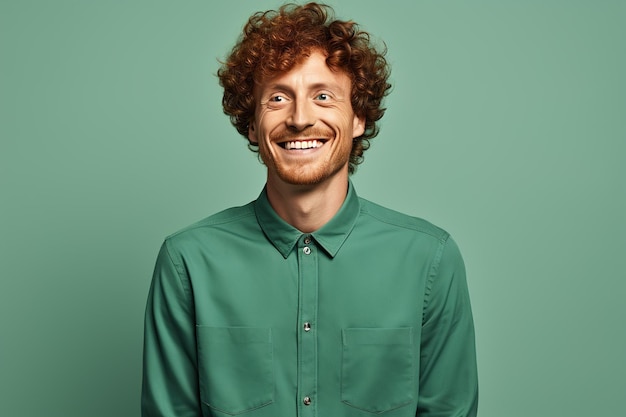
314 86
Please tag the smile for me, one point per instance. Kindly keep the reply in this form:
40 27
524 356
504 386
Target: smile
302 144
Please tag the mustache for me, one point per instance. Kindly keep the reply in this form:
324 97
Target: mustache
309 132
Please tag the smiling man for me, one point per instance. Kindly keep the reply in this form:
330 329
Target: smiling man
308 301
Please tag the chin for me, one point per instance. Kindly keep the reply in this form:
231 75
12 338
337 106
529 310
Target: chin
309 177
303 179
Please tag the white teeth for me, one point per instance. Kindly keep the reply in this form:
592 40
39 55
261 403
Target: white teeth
304 144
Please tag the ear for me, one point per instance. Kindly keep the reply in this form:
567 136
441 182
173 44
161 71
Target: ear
252 136
358 126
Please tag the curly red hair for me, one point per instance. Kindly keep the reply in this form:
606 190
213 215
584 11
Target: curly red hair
273 42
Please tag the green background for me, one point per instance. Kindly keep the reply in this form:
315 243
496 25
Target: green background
506 126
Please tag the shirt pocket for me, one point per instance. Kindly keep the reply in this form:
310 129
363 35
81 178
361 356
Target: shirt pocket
377 368
236 368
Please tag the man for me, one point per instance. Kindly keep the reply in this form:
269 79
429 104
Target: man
308 301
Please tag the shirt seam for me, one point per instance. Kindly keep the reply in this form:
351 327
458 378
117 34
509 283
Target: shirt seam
183 281
414 228
434 273
209 223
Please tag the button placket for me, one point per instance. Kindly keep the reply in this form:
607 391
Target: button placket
307 336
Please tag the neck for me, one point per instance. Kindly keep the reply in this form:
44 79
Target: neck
307 207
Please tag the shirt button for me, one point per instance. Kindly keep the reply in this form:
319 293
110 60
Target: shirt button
306 400
307 326
306 250
307 240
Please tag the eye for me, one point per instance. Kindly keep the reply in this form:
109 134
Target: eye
322 97
277 99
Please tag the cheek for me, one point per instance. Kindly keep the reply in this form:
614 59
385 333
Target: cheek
266 123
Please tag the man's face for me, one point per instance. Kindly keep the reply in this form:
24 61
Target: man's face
304 123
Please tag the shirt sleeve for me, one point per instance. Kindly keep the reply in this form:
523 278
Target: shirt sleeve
170 381
448 371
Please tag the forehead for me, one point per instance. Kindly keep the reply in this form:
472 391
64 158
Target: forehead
311 72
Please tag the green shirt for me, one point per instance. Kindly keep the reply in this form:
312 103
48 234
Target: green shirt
368 315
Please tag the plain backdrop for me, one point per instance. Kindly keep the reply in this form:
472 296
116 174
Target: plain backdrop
506 127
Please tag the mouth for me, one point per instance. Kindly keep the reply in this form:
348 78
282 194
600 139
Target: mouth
302 144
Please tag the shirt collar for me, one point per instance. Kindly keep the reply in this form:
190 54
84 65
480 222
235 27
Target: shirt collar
330 237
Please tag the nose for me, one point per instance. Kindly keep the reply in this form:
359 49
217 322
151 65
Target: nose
302 115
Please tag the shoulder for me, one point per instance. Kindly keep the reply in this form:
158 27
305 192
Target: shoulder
224 222
403 222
